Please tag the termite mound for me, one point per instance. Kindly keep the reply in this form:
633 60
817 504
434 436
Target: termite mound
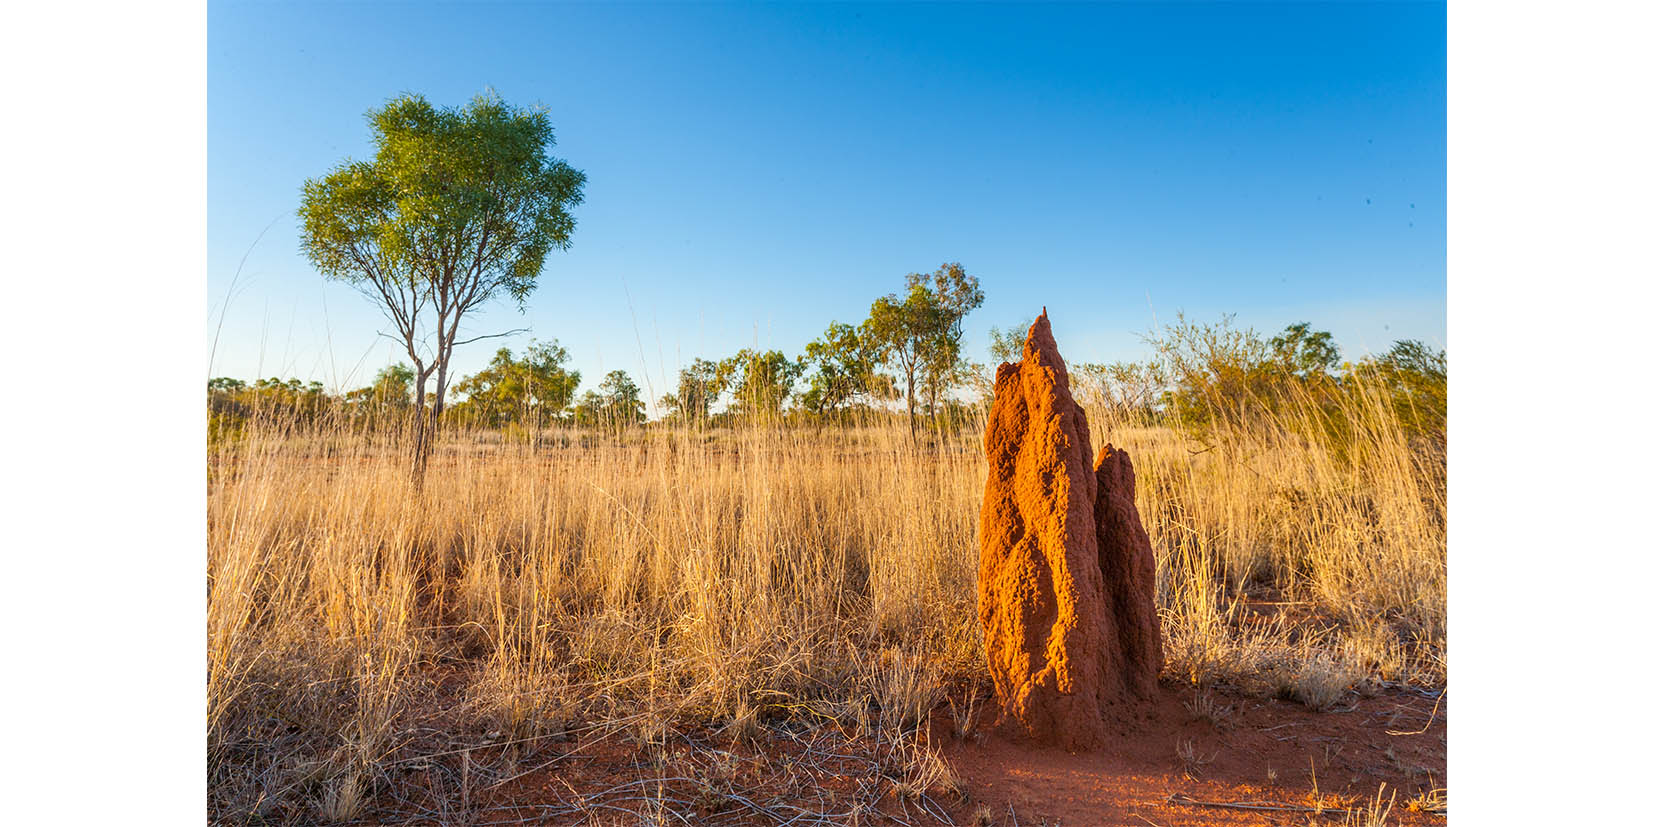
1066 582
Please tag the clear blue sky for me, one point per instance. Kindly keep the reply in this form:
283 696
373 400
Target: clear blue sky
757 171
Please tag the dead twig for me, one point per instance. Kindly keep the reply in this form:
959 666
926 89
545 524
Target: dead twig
1179 798
1426 723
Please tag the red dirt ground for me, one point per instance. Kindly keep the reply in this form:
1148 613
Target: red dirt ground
1132 779
1336 758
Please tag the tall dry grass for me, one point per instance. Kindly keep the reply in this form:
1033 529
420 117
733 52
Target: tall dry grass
642 580
1298 543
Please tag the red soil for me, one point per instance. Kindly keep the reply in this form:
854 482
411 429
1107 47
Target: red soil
1336 758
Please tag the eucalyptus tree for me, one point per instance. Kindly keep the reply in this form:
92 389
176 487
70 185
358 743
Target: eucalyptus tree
388 400
617 403
458 207
529 391
956 293
845 362
898 328
758 382
1303 352
921 334
697 391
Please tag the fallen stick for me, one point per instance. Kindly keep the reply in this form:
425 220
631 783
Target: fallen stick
1179 798
1427 724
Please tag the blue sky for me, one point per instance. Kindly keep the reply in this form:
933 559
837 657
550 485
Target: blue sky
758 171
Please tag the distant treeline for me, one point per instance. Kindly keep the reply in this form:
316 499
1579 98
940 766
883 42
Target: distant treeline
1199 377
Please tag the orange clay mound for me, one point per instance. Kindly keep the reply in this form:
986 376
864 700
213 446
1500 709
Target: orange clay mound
1066 585
1127 563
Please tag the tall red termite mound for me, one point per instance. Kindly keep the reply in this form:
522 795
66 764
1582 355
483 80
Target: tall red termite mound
1066 586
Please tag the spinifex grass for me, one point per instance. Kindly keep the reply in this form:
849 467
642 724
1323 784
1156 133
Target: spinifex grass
661 577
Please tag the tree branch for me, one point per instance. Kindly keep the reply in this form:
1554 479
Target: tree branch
491 336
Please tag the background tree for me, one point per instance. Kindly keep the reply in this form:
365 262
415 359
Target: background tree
232 402
1003 346
621 398
388 399
957 293
457 208
1006 345
1415 376
845 369
697 392
897 327
588 410
531 391
617 403
1215 373
758 382
292 400
1219 375
227 408
1129 390
1304 353
921 334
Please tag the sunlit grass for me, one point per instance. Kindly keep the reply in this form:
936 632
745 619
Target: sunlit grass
745 575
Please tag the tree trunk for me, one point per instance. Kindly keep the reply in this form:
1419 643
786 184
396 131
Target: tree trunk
428 444
421 435
440 403
912 422
930 403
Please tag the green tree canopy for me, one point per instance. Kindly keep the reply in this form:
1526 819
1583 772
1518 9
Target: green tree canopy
1416 376
1303 352
897 327
390 395
845 366
283 403
1006 345
616 403
758 382
530 391
458 207
697 392
957 294
1213 374
921 334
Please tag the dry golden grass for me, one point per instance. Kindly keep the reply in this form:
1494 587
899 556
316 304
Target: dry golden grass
633 582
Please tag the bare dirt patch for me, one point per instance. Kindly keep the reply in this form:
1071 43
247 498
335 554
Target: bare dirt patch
1273 762
1210 746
